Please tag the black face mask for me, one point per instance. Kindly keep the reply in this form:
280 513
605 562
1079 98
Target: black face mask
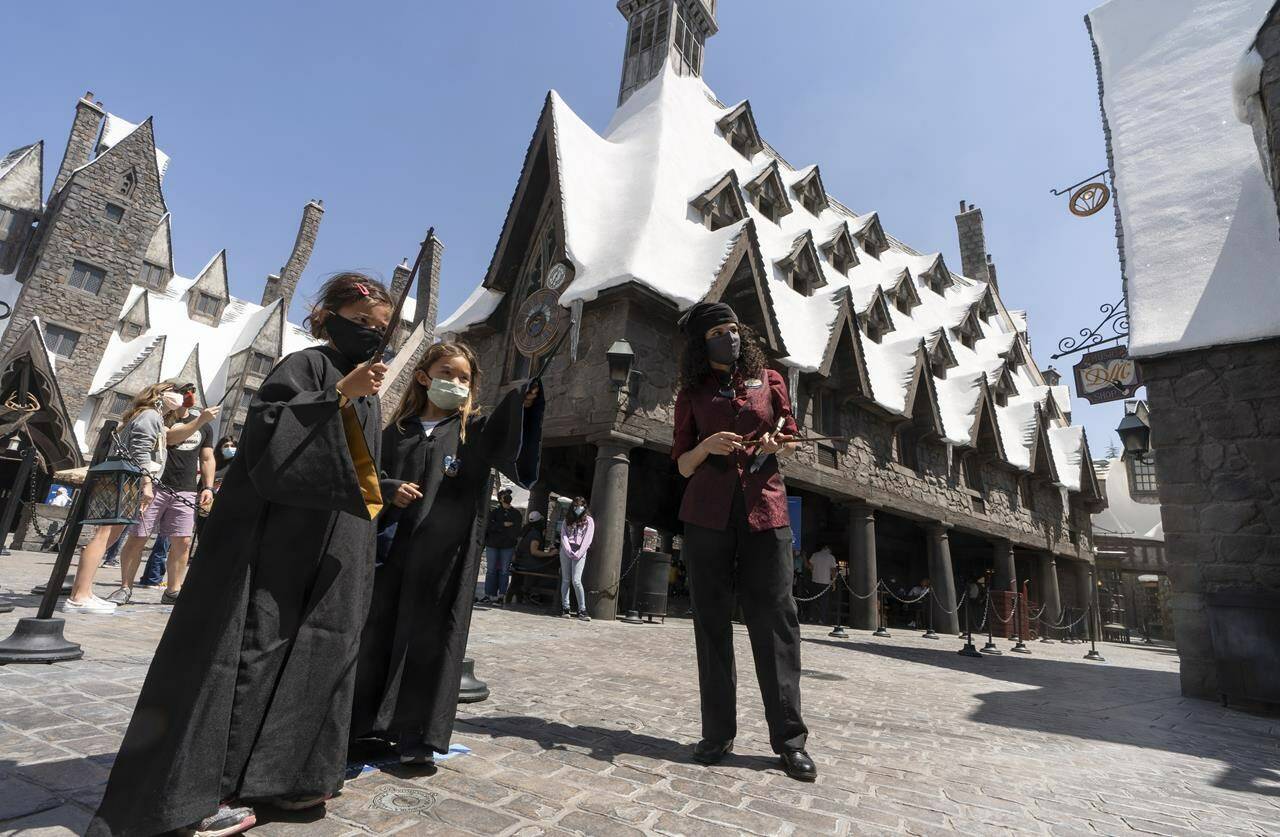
357 343
724 349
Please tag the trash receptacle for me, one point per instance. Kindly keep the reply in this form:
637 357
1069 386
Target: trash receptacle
652 577
1245 627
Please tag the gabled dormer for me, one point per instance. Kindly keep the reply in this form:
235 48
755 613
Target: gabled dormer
870 236
722 204
208 296
1016 354
742 284
801 269
904 293
941 356
739 129
841 251
21 182
937 277
984 434
843 363
1004 387
810 192
987 305
1042 465
768 194
923 416
157 262
875 321
969 329
137 319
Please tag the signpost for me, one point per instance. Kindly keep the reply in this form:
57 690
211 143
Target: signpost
1107 375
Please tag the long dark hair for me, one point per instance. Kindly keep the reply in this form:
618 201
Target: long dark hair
694 365
572 519
220 461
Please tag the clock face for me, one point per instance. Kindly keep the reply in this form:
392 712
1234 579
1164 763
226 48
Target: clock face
557 275
538 322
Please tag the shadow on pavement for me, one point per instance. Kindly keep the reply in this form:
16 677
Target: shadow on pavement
1101 702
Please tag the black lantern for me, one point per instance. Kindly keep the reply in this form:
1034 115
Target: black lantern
114 493
621 357
1135 435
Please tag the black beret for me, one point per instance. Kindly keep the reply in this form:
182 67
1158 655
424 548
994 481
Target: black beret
705 316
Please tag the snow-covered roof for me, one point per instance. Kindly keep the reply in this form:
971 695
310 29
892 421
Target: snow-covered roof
21 178
1123 515
1200 245
630 197
115 129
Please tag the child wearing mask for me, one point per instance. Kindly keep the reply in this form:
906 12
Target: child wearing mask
248 696
576 534
437 458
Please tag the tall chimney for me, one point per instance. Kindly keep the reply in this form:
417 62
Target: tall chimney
1051 377
429 287
80 142
284 285
973 242
399 278
991 273
651 39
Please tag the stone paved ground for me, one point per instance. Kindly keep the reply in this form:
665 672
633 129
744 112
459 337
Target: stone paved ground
589 725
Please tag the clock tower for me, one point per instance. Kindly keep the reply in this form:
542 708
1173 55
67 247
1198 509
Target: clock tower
660 31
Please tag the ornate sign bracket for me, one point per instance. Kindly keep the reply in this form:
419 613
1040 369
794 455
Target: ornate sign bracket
1114 326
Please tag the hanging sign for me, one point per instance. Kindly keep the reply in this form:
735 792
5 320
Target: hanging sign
1107 375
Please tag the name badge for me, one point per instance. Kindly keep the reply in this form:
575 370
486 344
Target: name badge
753 383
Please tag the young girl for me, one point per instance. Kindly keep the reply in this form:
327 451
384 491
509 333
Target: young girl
437 456
143 436
249 694
575 542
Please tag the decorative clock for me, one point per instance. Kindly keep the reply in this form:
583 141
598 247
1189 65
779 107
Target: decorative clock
559 273
538 322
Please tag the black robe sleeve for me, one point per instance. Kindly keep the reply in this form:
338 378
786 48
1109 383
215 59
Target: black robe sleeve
294 443
512 436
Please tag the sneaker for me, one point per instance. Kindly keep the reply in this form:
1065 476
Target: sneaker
111 562
169 597
418 759
121 596
567 614
298 803
226 821
584 616
90 605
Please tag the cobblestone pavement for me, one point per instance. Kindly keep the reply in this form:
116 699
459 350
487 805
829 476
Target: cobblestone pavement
589 725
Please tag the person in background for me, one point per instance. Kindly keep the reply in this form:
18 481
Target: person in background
576 533
157 560
917 607
822 566
501 534
60 498
530 554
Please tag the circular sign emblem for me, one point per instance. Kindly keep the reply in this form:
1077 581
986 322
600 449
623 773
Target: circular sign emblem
1089 198
558 275
538 322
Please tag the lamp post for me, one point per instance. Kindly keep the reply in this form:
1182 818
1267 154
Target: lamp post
621 360
1135 435
112 494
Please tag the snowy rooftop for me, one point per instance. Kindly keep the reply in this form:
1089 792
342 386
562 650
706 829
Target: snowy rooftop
1201 252
115 129
627 198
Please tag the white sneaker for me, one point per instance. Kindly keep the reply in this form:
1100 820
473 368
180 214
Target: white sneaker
93 604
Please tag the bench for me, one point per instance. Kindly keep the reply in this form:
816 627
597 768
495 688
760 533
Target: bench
551 582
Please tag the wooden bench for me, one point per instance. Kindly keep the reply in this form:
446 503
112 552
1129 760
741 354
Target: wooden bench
553 585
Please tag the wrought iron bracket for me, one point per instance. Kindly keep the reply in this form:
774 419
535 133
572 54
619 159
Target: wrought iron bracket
1115 319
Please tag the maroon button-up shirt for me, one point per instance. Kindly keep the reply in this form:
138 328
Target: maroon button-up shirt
752 412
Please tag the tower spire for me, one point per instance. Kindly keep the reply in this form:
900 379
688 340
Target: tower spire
662 30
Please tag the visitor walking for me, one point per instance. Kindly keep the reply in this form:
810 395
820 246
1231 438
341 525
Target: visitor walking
822 566
501 535
576 532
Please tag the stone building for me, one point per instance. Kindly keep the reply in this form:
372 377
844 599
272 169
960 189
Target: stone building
1190 93
961 456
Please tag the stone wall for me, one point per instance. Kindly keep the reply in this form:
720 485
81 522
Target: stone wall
1215 431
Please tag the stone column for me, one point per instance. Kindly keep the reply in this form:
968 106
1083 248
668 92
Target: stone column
609 509
1006 569
863 575
539 497
1050 598
942 580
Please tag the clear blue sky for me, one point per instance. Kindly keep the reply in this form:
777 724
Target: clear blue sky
403 115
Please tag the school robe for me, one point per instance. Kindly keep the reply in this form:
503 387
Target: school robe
249 692
411 653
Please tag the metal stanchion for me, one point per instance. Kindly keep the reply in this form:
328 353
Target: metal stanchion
928 607
838 632
1020 647
472 690
1044 629
881 630
990 647
969 650
1093 643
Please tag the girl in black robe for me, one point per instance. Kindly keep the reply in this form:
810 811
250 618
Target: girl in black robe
437 457
249 694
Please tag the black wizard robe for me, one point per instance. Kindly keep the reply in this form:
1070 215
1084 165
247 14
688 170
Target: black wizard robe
411 652
249 693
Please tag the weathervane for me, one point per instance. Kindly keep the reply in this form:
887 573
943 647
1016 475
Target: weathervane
1088 196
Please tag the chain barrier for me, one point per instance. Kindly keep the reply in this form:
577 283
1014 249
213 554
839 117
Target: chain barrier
845 581
1068 626
1038 613
963 599
824 591
120 452
986 609
926 594
1012 612
612 590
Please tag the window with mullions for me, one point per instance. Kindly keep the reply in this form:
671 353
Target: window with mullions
118 404
907 441
260 364
1142 475
207 304
62 341
86 277
972 470
246 397
153 276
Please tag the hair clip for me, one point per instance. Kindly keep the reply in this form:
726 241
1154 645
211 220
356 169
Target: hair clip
362 288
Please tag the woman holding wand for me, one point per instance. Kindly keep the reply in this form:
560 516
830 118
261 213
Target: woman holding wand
732 422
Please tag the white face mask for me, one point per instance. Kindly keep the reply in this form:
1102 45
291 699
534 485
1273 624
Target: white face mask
448 395
170 400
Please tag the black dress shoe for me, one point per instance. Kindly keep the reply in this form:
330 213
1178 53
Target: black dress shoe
799 766
708 752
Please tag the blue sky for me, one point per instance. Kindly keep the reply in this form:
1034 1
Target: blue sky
405 115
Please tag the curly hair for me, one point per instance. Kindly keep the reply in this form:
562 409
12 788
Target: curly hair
694 365
339 290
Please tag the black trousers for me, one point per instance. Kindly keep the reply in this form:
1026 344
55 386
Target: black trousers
759 566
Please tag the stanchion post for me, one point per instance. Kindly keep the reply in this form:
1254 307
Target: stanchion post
838 631
1020 647
968 650
1093 643
929 634
1044 628
881 630
990 647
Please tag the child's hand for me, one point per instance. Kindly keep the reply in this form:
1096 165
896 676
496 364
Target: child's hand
532 394
363 380
406 494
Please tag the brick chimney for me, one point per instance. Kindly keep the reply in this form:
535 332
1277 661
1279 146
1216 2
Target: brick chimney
84 134
1052 377
973 242
991 273
399 278
429 287
284 285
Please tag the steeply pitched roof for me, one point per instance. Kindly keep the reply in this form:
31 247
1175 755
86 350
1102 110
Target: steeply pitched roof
22 178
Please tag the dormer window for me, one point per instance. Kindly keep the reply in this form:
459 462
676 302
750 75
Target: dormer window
153 276
129 331
941 358
810 192
873 329
739 128
768 195
871 237
937 277
875 321
987 305
207 304
801 269
721 205
126 184
968 331
840 251
260 364
905 298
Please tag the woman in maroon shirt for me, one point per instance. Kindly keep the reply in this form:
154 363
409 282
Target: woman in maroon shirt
733 419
